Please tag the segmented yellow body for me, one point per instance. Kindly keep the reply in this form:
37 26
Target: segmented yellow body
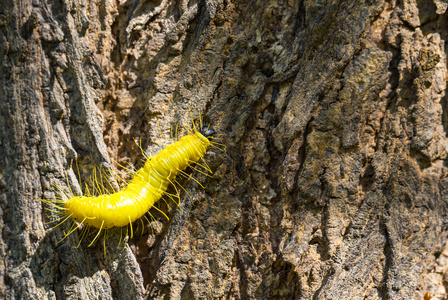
147 186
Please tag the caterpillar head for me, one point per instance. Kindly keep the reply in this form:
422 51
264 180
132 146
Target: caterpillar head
207 132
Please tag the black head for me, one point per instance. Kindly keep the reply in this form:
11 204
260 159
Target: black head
207 132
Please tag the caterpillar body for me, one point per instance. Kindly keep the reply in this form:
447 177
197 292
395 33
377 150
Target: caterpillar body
147 186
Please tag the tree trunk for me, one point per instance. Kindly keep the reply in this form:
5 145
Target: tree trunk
334 114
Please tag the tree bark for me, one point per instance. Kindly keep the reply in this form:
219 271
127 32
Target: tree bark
334 114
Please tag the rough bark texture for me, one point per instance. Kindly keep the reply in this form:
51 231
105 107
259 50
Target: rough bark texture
334 183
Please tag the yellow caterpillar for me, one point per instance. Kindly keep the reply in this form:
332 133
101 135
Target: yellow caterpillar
147 186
